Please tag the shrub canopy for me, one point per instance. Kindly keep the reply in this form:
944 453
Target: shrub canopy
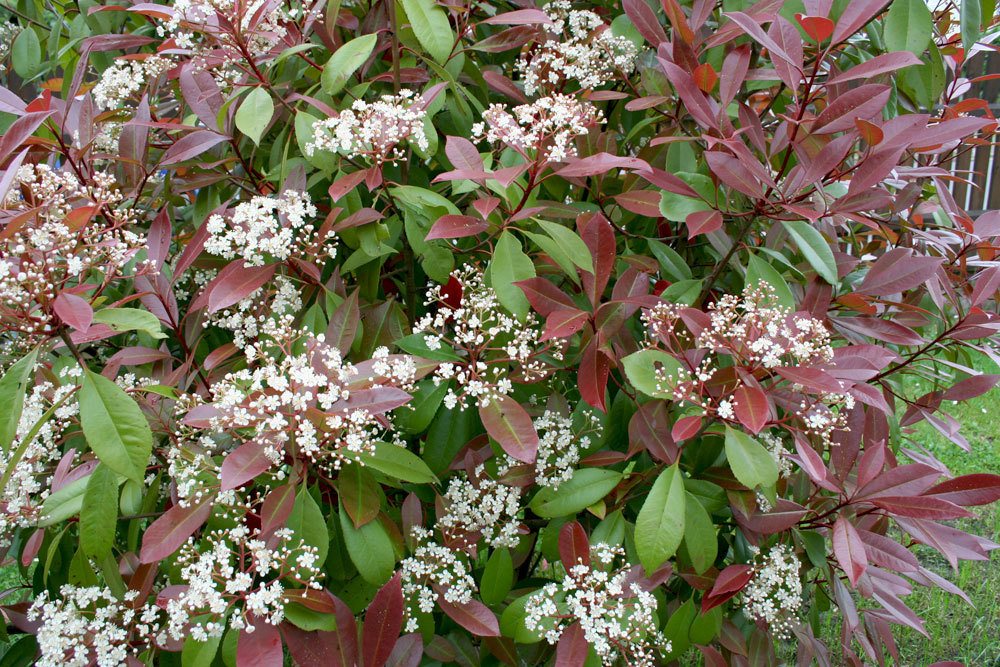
426 332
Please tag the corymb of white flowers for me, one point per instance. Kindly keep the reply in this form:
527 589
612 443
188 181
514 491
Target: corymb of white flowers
774 595
266 229
373 130
432 573
617 616
492 345
580 47
544 129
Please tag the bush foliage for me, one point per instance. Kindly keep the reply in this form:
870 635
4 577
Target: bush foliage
417 332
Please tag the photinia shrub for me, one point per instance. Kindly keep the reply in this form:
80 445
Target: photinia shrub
402 333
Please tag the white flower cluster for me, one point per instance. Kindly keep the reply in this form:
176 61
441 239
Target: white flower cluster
263 311
559 448
580 47
481 507
266 229
617 616
431 573
776 448
47 253
494 345
228 25
294 404
373 130
774 595
546 127
125 78
234 574
30 469
90 626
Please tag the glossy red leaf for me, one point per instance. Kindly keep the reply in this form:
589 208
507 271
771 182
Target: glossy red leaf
243 464
729 582
702 222
967 490
574 545
236 282
260 648
849 550
685 427
544 297
864 102
600 163
705 77
408 651
383 622
645 21
191 146
473 615
593 376
519 17
564 323
920 507
751 407
172 529
74 311
819 28
572 649
511 426
453 226
880 64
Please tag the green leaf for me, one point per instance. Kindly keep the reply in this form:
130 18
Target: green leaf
659 527
399 463
64 503
586 487
672 264
309 619
759 271
570 242
345 62
199 654
909 26
255 113
307 523
13 387
430 25
699 535
370 549
114 426
677 208
645 368
558 254
498 576
99 513
26 54
752 464
814 248
512 622
130 319
970 20
509 265
416 344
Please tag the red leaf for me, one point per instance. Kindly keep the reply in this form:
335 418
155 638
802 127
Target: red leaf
870 132
509 424
920 507
648 428
572 649
455 227
243 464
260 648
593 376
166 535
600 163
19 131
74 311
343 326
729 582
544 297
685 427
751 407
970 387
734 173
974 489
645 21
819 28
849 550
702 222
887 62
191 146
236 282
705 77
473 615
811 378
463 153
346 183
865 102
383 621
519 17
408 651
599 236
640 202
563 323
574 547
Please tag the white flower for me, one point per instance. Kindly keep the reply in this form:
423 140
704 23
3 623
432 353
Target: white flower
774 595
484 507
580 48
546 127
433 572
373 129
122 80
